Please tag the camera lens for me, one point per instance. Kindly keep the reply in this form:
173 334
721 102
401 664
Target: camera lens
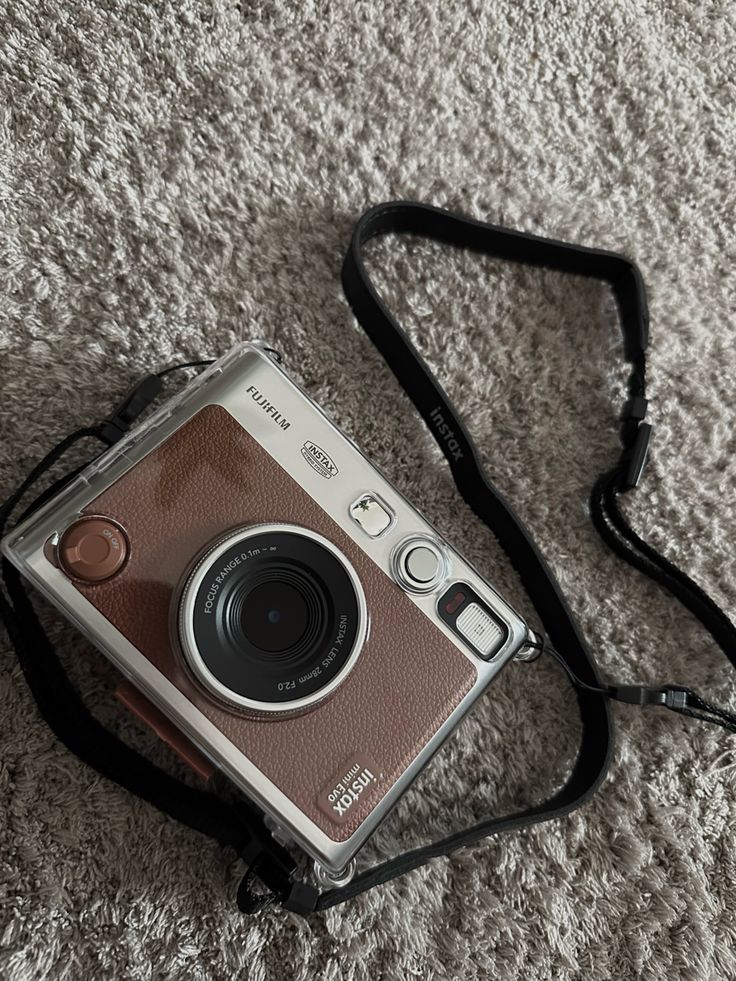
272 618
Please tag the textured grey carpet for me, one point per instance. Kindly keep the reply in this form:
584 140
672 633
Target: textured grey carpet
174 177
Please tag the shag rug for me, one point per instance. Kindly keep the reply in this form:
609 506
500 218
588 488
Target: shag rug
178 176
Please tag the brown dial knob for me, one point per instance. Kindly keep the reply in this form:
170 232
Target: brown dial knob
93 549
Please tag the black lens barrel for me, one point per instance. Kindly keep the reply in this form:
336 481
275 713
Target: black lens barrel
276 616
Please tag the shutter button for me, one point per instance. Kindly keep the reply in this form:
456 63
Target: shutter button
93 549
420 564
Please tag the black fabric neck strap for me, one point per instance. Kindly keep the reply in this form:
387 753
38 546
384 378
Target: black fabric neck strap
241 826
488 504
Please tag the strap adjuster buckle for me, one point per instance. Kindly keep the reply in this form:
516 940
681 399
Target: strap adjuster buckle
635 457
669 696
635 435
635 408
638 694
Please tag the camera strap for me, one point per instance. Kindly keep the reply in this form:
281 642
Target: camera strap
238 824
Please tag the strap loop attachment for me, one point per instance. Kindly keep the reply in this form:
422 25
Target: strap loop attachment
136 400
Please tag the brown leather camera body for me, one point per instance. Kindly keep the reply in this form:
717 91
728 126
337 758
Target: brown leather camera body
206 479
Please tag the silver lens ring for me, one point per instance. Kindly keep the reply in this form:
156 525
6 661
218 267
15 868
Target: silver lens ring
272 618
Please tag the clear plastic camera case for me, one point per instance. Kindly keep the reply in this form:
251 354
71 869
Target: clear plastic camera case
257 579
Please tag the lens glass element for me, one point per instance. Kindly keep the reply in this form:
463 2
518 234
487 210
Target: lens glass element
274 616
